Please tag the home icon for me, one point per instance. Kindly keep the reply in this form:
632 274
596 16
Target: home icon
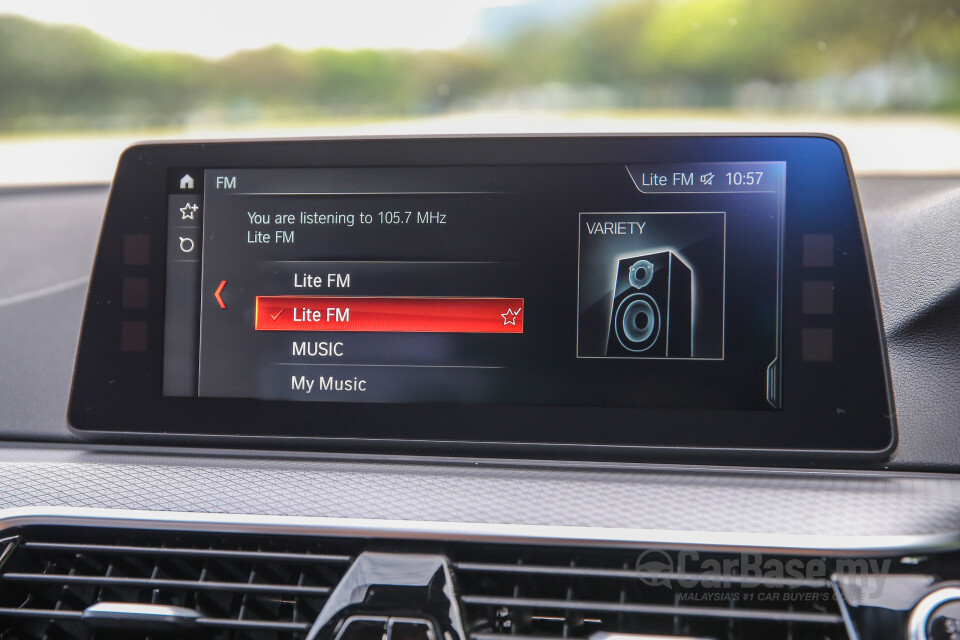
186 182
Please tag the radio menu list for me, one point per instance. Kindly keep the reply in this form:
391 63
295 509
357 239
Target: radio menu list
299 300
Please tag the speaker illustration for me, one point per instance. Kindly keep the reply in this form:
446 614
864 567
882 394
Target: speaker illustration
652 313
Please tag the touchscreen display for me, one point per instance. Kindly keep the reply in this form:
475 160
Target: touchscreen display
623 285
586 296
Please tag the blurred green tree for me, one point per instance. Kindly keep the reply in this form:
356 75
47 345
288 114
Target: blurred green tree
677 53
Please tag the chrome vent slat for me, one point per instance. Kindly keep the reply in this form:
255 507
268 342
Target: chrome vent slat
42 614
224 623
253 625
154 573
590 572
185 552
669 610
161 583
7 545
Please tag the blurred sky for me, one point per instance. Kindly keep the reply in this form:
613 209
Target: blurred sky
219 27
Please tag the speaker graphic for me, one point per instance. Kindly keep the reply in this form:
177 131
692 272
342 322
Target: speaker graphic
652 314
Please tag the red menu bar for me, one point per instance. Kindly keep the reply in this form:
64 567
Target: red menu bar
389 314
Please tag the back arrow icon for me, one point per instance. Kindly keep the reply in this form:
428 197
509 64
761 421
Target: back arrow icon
217 293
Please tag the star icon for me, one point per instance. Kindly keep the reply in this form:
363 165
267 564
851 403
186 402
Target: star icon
510 317
187 211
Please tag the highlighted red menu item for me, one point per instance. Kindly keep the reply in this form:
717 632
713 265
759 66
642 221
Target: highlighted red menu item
389 314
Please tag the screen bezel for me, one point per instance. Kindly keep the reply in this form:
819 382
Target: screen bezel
137 205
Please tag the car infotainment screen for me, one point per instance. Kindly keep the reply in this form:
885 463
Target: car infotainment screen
486 284
611 292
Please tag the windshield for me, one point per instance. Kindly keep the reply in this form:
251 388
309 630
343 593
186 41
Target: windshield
81 83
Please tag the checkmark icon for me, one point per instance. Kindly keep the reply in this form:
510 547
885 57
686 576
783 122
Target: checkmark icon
276 315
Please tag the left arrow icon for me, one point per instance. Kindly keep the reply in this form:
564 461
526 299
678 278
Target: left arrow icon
217 293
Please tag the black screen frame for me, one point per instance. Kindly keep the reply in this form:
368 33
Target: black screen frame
116 396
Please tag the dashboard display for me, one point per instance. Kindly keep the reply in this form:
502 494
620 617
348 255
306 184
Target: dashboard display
624 291
510 284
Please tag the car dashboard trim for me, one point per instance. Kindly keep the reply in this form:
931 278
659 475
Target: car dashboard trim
497 533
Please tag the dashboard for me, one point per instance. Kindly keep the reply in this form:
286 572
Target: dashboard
539 492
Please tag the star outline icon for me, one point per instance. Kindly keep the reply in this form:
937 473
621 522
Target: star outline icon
187 211
510 317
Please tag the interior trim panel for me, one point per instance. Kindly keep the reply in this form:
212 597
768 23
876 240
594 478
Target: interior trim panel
654 505
819 545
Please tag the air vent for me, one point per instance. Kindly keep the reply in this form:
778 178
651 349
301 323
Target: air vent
238 587
548 594
63 583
